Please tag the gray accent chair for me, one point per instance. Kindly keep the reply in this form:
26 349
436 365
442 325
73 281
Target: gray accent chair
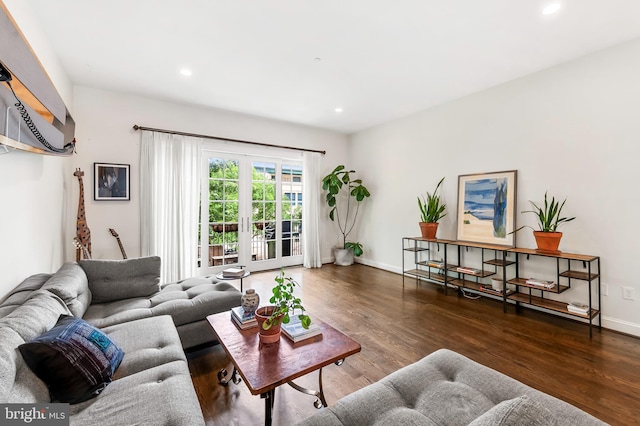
150 322
448 389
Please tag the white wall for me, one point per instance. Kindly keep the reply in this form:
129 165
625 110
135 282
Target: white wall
572 130
33 187
104 132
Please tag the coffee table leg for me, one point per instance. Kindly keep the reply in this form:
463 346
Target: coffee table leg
319 394
269 398
222 374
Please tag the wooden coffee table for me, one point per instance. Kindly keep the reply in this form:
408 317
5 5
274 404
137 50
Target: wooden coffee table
265 368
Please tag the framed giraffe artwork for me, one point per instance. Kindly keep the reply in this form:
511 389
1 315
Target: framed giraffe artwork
111 182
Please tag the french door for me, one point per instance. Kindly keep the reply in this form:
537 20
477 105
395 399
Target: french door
251 212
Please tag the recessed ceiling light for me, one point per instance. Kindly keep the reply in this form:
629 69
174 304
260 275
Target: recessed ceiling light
551 9
185 72
317 59
338 109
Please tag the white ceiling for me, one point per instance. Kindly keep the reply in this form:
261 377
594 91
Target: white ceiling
379 59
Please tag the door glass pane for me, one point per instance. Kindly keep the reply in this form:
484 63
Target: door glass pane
263 214
291 210
223 211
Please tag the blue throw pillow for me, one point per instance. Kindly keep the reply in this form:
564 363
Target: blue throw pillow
74 359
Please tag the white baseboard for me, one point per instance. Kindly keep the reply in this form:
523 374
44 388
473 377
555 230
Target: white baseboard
621 325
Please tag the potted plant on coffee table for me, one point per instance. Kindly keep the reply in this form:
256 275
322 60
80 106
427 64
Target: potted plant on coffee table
549 217
431 211
344 195
283 305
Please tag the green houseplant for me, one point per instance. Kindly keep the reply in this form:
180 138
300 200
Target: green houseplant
344 195
431 211
283 305
549 218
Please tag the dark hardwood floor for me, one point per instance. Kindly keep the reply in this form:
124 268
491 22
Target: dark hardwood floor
397 326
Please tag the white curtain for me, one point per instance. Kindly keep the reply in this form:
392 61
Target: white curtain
311 210
170 196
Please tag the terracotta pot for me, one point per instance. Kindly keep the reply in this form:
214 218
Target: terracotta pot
429 230
272 335
548 241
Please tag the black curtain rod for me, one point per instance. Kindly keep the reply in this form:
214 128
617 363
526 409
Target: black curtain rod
173 132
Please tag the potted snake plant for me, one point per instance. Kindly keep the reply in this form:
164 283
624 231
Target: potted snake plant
431 211
549 218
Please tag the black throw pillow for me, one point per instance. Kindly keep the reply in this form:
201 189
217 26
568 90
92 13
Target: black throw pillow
74 359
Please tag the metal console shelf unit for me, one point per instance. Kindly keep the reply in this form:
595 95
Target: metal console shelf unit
442 271
439 270
469 277
590 274
424 268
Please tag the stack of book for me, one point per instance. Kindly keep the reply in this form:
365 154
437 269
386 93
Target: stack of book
296 332
465 270
578 308
436 264
490 289
540 283
233 273
243 319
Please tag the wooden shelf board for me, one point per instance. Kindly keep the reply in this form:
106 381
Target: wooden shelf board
499 262
426 263
549 304
414 249
476 286
522 283
480 245
561 255
481 274
425 274
579 275
437 240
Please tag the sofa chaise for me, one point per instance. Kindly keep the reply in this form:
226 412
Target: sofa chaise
124 301
448 389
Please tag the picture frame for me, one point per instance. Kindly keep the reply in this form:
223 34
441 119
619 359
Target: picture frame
111 182
487 208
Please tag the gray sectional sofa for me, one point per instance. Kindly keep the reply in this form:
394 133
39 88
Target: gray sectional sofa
448 389
151 323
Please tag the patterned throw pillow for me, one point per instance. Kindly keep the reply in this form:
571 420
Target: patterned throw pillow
74 359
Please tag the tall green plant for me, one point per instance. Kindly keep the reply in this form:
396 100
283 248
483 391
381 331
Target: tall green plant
432 208
334 183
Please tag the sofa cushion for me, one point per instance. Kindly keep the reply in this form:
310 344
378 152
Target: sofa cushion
38 314
18 384
147 342
188 301
111 280
520 411
22 292
74 359
447 389
70 284
160 396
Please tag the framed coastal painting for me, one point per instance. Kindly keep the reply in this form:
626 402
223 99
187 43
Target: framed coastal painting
487 208
111 182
